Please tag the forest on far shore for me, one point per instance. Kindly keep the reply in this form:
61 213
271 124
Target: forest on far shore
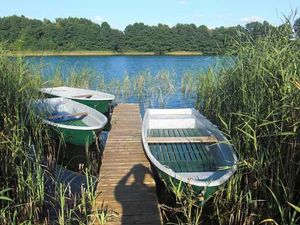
20 33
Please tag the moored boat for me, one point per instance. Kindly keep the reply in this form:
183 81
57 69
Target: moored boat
78 123
183 146
95 99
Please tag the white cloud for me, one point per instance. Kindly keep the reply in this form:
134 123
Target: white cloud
98 19
183 2
251 19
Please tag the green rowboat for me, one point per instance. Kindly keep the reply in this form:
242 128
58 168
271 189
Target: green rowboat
78 123
95 99
184 147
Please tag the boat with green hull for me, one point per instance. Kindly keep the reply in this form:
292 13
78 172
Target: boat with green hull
97 100
184 147
76 123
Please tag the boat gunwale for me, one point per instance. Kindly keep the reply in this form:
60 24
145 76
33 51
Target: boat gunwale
52 91
73 127
177 175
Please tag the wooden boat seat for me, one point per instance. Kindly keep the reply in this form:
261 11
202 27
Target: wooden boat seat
190 132
201 139
180 136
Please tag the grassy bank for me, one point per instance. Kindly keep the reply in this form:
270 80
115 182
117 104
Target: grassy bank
183 53
76 53
97 53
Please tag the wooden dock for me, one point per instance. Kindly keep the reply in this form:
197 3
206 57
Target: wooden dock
126 184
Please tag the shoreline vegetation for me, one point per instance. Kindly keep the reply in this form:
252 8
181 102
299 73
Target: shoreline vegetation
65 36
255 101
99 53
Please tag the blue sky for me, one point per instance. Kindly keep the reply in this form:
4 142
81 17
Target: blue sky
119 13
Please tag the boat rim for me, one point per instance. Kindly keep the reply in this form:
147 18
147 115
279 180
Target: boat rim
72 127
109 97
179 177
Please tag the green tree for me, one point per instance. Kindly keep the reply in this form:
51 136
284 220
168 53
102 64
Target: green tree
21 33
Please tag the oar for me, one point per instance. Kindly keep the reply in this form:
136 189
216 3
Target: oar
67 115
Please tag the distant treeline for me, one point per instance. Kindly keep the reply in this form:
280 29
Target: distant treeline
67 34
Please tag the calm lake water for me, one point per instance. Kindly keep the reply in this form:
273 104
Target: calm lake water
118 66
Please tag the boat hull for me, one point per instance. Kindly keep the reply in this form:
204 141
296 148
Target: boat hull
97 100
76 137
103 106
203 192
70 122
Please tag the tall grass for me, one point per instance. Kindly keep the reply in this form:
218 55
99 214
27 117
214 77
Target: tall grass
187 208
29 190
256 102
20 145
189 83
152 89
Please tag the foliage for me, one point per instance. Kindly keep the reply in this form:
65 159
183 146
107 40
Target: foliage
189 206
153 89
256 102
30 192
75 34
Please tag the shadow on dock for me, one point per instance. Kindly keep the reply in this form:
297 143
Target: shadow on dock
126 184
132 188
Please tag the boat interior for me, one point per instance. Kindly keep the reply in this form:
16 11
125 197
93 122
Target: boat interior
186 142
66 112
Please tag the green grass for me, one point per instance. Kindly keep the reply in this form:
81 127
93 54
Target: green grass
28 158
77 53
150 88
98 53
256 102
29 152
183 53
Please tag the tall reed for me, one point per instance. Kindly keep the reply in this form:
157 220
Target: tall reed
256 102
153 89
29 190
22 140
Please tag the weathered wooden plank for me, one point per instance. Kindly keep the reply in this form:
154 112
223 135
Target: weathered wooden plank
201 139
126 184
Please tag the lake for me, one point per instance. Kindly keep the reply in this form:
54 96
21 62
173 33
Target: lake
116 67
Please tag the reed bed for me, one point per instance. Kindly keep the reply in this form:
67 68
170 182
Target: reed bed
29 190
151 89
256 102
